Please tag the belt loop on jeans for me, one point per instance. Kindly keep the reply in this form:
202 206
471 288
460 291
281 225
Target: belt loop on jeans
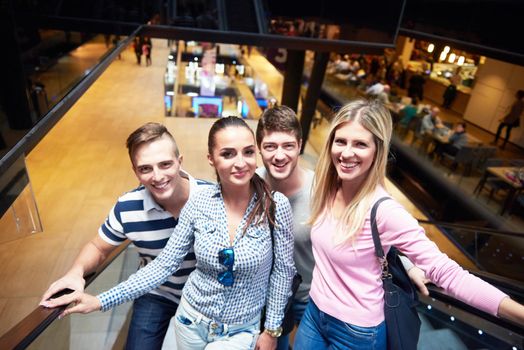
197 315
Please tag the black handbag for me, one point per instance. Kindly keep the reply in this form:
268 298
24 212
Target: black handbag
400 296
288 323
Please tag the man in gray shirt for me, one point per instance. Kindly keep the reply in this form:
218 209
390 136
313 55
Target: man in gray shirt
279 139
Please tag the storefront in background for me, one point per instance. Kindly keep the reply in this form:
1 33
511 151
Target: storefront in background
442 66
210 80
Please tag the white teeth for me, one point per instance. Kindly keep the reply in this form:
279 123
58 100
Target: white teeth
348 165
160 186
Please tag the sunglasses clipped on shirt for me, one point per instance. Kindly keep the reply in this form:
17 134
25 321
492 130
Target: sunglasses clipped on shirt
226 257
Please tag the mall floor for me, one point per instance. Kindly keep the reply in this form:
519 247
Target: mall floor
81 167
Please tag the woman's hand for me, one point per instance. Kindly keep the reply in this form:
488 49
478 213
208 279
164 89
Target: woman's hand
266 342
418 277
81 303
511 310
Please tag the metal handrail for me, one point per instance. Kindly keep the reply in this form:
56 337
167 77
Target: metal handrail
31 139
28 329
471 228
503 329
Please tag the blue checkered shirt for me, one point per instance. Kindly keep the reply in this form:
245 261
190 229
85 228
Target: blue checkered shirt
203 224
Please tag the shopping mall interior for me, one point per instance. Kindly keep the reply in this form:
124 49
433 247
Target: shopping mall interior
79 81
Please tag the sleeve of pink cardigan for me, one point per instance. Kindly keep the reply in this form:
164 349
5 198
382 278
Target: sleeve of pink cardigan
398 228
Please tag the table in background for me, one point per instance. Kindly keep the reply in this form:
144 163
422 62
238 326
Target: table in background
501 173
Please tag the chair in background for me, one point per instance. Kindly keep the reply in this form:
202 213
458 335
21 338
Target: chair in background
421 140
425 142
465 157
518 206
492 183
485 153
518 163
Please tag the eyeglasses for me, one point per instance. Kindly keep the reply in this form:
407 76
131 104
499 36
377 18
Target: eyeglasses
226 257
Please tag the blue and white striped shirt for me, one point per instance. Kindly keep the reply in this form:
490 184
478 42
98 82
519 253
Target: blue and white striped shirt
138 217
203 224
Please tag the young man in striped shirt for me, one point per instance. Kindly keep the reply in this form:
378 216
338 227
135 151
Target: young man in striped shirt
147 216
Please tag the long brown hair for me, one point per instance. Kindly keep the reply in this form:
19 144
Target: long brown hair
264 199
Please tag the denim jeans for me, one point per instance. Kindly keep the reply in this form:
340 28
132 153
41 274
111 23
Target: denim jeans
298 311
319 331
148 327
195 331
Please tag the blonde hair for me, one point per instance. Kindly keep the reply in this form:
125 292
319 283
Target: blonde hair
375 118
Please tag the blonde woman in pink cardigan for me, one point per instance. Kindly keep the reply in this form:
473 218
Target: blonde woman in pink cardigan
346 307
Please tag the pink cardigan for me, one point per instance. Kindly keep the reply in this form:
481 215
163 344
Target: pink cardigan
346 279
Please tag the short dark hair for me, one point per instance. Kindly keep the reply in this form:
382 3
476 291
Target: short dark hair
280 119
147 133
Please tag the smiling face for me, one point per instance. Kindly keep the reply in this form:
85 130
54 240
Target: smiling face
352 153
234 156
280 151
158 168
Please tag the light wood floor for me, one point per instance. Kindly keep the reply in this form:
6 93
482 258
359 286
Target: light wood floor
81 167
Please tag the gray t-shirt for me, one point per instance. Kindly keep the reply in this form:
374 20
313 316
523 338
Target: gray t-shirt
304 261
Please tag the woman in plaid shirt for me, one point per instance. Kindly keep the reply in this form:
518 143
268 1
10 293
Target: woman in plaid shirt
238 270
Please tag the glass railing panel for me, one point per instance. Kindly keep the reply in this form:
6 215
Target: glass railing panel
495 252
18 210
64 64
98 330
52 70
443 323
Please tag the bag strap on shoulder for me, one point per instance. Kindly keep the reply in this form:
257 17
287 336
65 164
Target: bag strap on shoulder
271 218
379 251
270 222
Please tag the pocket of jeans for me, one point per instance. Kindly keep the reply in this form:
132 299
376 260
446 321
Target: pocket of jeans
184 320
367 332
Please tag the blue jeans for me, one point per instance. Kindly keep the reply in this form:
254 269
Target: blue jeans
319 331
298 311
149 323
195 331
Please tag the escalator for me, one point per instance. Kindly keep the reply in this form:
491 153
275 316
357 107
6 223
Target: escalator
241 16
446 322
451 324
